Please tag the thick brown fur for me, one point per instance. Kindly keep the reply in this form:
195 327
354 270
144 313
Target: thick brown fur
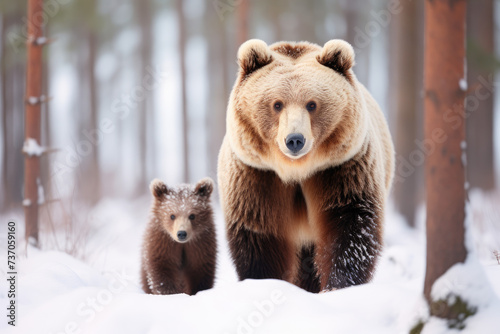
313 218
170 266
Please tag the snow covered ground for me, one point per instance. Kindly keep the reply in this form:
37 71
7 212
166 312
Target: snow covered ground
58 293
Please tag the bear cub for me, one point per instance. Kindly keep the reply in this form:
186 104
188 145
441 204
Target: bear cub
179 248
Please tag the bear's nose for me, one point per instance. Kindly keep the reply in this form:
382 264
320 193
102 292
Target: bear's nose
182 235
295 142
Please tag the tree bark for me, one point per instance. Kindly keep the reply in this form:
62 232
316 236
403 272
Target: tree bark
480 26
32 116
182 65
445 171
405 79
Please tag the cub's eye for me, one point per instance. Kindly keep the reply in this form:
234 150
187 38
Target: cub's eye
172 217
191 217
311 106
278 106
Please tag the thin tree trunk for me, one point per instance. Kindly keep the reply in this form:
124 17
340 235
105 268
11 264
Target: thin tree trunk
6 196
405 57
46 132
275 11
353 10
146 111
218 86
32 118
445 171
94 190
182 64
480 25
81 120
13 92
242 12
16 84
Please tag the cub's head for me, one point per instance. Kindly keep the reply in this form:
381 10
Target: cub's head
184 212
295 107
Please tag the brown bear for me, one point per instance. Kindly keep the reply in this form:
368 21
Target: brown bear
179 248
305 167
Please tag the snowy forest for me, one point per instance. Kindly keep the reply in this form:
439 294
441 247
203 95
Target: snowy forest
100 97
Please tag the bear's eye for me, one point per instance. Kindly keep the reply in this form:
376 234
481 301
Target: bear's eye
172 217
191 217
311 106
278 106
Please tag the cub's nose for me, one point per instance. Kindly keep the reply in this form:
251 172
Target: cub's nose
295 142
182 235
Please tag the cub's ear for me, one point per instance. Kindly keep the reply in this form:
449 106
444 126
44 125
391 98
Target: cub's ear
205 187
252 55
337 55
158 188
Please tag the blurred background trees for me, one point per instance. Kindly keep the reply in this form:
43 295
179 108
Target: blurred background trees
481 66
124 109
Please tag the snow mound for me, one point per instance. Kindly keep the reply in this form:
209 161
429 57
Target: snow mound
58 293
466 280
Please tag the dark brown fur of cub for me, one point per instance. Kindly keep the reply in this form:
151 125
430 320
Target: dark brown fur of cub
179 248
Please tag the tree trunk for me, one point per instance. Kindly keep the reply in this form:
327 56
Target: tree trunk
353 10
146 111
276 8
45 160
94 180
405 79
13 92
445 171
6 196
32 117
242 21
218 90
480 26
182 64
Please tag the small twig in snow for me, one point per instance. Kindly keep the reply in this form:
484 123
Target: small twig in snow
497 255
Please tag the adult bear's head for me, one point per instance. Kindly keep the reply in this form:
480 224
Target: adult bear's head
296 108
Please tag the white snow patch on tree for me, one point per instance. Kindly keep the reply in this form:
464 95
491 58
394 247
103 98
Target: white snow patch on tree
33 100
463 84
41 192
468 237
32 148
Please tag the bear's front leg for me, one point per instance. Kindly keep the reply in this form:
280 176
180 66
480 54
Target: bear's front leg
257 208
166 279
350 244
345 206
258 255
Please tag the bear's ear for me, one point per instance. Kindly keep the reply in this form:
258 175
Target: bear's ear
158 188
252 55
337 55
205 187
